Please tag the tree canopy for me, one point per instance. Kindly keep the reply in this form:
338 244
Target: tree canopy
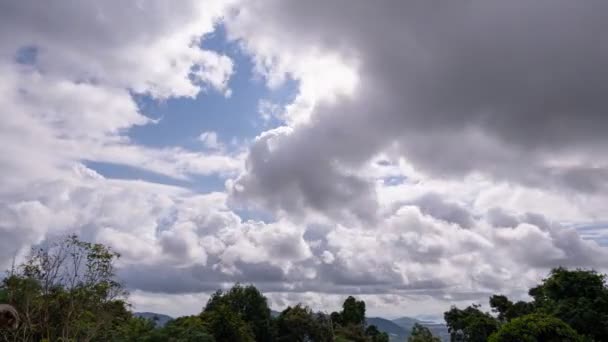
569 305
536 327
300 324
68 291
421 333
242 305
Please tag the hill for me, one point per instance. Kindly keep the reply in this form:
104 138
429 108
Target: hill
160 319
438 329
394 331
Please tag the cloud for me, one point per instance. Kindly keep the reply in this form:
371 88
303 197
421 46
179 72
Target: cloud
74 102
508 90
210 140
149 48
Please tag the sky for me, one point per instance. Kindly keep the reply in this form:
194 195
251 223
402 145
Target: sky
415 154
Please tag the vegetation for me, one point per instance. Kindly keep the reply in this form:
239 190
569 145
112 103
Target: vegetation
68 291
536 327
569 305
64 292
421 333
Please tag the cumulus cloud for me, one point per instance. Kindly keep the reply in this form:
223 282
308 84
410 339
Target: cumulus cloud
509 90
149 48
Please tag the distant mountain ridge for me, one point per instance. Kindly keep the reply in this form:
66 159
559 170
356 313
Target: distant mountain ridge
398 329
438 329
160 319
395 332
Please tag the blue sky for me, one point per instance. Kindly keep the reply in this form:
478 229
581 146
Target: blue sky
180 121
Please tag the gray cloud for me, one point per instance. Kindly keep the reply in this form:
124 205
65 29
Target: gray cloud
432 204
502 88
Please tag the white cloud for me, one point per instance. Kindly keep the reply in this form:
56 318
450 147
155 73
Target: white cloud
148 47
210 140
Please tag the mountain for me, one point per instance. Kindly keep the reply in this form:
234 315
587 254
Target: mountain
394 331
160 319
406 323
438 329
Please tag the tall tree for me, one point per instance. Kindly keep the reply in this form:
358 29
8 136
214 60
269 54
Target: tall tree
353 311
536 327
578 297
470 324
245 303
67 290
375 335
420 333
508 310
300 324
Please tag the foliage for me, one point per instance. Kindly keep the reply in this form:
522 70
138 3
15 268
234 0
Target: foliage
66 291
470 324
421 333
135 329
349 324
353 311
375 335
536 327
243 309
508 310
567 300
578 297
300 324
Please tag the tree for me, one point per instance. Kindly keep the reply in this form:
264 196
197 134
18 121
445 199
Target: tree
182 329
577 297
225 324
349 324
353 312
67 290
135 329
300 324
375 335
508 310
420 333
241 304
470 324
536 327
336 319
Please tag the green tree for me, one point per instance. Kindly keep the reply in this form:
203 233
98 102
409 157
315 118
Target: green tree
508 310
67 291
182 329
135 329
536 327
349 324
470 324
336 319
353 311
226 325
300 324
420 333
375 335
242 304
577 297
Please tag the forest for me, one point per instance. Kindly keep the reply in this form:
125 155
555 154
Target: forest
68 291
